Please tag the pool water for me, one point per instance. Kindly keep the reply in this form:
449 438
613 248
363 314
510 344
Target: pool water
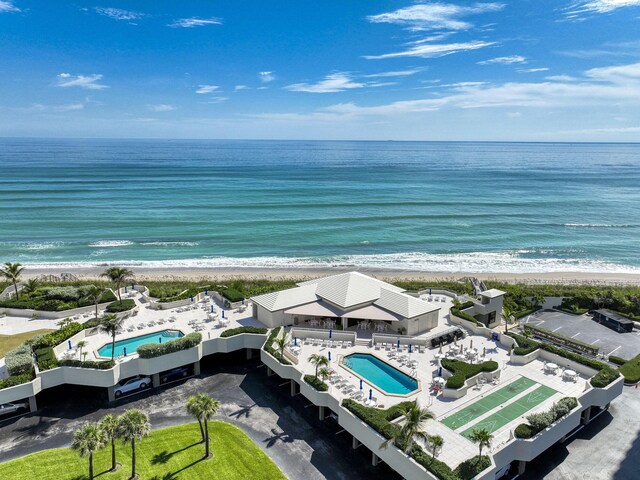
132 343
380 374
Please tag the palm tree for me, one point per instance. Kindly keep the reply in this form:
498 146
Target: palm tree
281 343
31 285
111 324
118 276
319 361
412 427
436 442
193 407
507 314
482 437
110 426
324 373
94 294
209 407
87 441
12 272
134 425
81 344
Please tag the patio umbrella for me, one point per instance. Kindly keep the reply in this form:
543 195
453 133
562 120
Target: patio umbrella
222 313
409 348
212 308
206 291
330 333
159 339
440 372
360 384
370 394
133 285
398 343
242 300
471 345
69 342
295 341
329 353
429 291
124 350
192 298
484 351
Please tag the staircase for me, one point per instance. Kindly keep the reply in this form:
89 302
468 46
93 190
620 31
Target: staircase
363 342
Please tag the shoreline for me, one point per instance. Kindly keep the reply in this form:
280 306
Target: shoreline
195 274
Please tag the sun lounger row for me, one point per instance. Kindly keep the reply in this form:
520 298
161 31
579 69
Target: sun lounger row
393 347
326 343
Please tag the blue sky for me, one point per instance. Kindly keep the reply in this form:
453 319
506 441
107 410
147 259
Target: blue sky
540 70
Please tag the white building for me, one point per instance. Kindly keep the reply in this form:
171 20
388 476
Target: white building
349 300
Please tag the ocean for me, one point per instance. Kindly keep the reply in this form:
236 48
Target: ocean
419 206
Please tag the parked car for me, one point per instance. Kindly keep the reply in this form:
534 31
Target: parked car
10 408
132 384
175 374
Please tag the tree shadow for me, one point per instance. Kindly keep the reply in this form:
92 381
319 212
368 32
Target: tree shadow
174 475
164 456
244 411
275 437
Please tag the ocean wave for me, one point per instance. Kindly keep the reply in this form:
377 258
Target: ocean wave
111 243
597 225
35 246
514 262
169 244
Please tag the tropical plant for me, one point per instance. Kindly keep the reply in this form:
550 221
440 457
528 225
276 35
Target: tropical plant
482 437
435 442
87 441
412 428
31 285
94 294
193 408
110 425
80 345
318 361
507 314
12 272
208 407
118 276
281 343
134 425
111 324
324 373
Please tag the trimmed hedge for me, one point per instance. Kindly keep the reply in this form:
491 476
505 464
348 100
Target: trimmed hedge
617 360
16 380
46 358
19 360
153 350
56 298
237 331
540 421
465 316
268 347
316 383
462 370
56 338
118 307
631 370
604 377
472 467
102 365
563 340
231 294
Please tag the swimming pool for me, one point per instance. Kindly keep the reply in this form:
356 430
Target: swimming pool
132 343
380 374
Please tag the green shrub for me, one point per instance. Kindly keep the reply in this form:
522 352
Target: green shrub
102 365
117 307
379 420
561 339
237 331
617 360
462 370
152 350
465 316
19 360
540 421
525 431
231 294
56 338
604 377
316 383
418 285
631 370
268 347
472 467
440 469
46 358
16 380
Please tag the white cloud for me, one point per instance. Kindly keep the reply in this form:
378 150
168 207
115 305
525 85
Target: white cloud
119 14
88 82
8 6
161 107
599 6
202 89
238 88
41 108
435 16
504 60
218 99
561 78
195 22
433 50
533 70
266 77
397 73
335 82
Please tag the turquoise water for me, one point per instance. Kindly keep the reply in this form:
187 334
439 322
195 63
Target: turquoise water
380 374
441 207
131 344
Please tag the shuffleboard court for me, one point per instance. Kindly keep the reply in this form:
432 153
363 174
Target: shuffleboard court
488 403
513 410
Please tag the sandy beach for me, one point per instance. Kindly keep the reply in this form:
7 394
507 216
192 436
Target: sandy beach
195 274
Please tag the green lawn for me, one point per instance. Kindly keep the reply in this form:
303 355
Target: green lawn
167 454
9 342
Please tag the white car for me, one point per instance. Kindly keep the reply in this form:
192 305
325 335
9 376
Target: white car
132 384
9 408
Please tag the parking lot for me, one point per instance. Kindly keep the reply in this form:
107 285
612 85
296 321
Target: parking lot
584 329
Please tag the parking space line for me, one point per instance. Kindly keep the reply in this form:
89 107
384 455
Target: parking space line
594 342
574 336
555 330
617 348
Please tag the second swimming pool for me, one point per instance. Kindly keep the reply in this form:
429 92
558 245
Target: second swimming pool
130 344
380 374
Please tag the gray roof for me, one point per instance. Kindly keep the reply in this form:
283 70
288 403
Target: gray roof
492 293
350 289
403 304
291 297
